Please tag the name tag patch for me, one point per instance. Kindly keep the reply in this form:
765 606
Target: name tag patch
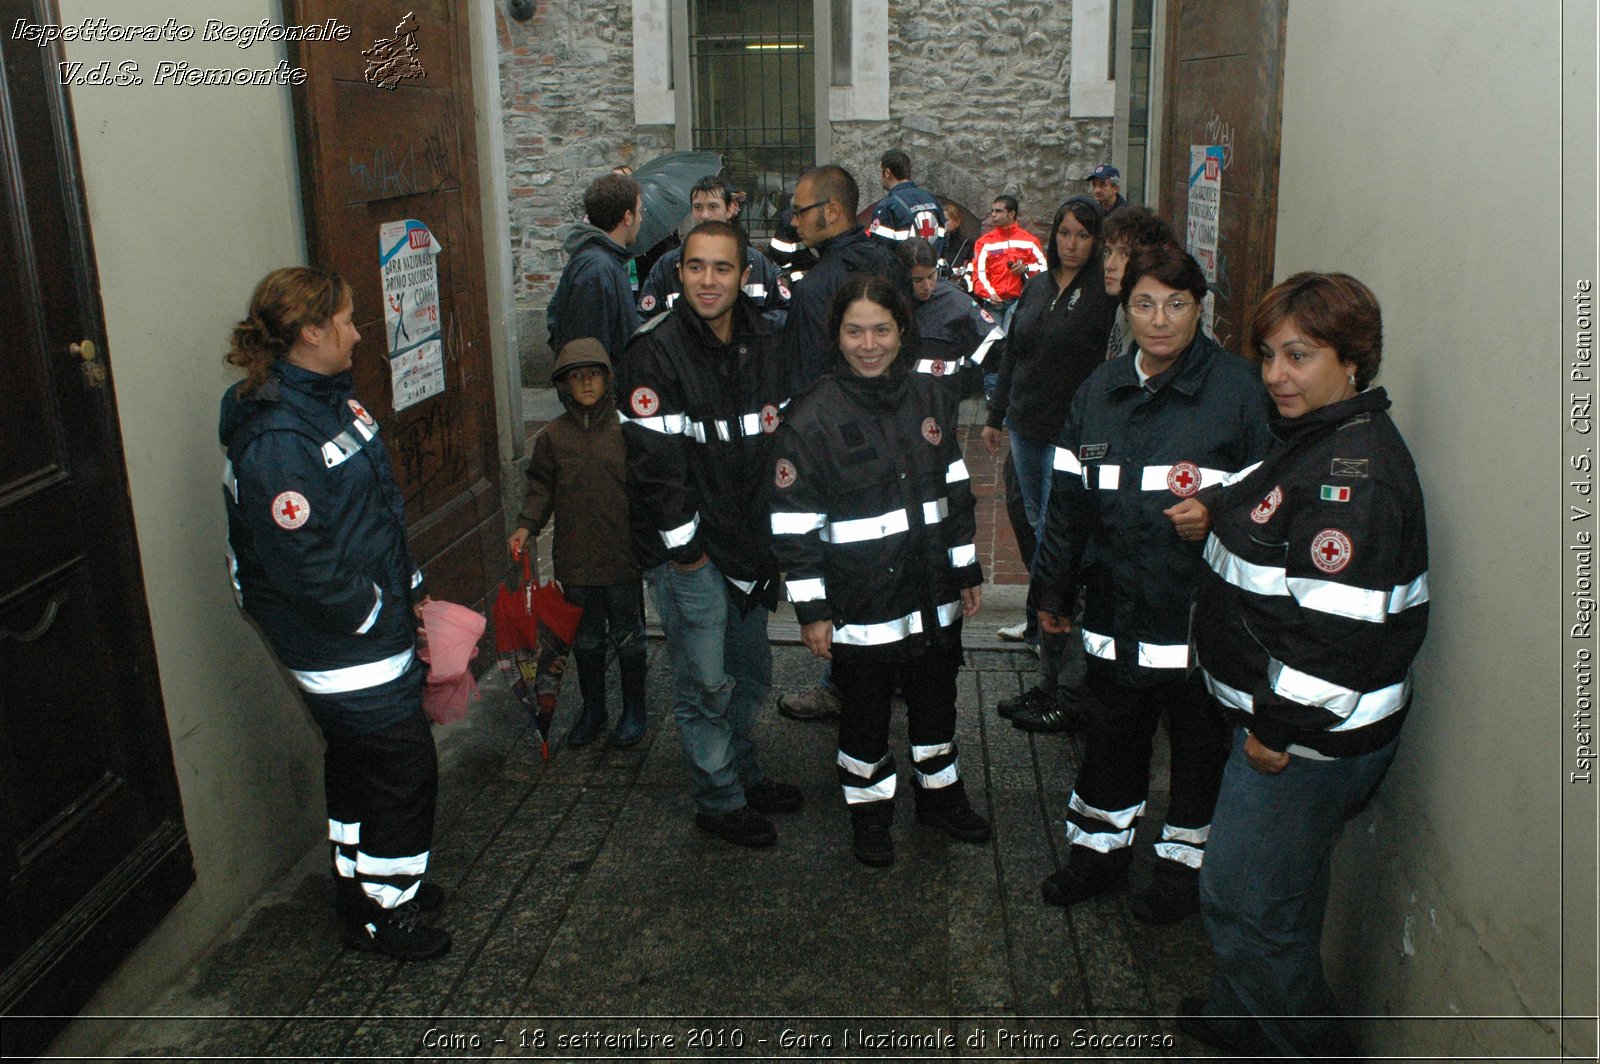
1092 452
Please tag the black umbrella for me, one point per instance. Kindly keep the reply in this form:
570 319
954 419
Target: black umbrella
666 182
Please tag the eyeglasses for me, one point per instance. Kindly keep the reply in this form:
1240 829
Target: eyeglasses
796 212
1175 308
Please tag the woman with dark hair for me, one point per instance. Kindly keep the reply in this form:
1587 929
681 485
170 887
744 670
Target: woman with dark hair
1056 338
1147 432
872 522
317 551
1314 603
1127 232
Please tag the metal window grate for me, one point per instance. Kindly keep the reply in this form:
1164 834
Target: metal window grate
753 70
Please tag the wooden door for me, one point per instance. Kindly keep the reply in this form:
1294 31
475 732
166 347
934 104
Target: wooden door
92 844
1224 86
371 155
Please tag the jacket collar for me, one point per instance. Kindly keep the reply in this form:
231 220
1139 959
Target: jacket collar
1187 375
849 236
289 377
1371 401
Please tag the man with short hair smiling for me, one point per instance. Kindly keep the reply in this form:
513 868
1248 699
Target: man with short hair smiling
700 389
711 200
594 297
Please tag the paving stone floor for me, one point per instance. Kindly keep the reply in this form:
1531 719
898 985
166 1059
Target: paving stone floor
586 906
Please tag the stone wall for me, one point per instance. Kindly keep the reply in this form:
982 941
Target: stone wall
978 97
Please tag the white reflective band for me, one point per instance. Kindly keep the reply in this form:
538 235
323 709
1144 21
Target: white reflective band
1341 600
354 677
1121 818
1104 477
672 297
680 536
878 792
783 247
963 556
1066 461
1192 836
365 431
857 767
932 781
339 448
230 483
928 753
864 528
982 352
756 291
377 608
1154 478
1357 709
387 897
787 523
1234 478
949 613
1181 853
935 511
892 234
1261 579
368 865
1369 708
1099 841
666 424
1101 646
233 575
1405 596
1164 655
1151 655
938 367
746 586
869 635
956 473
344 866
341 832
416 578
809 590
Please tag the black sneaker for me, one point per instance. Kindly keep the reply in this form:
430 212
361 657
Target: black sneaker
1032 700
398 933
1087 875
960 822
1173 895
1061 712
770 797
872 844
742 827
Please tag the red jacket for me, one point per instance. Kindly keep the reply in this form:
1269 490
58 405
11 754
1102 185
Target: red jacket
994 252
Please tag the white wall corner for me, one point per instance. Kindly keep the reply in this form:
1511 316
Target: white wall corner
867 100
654 102
1091 93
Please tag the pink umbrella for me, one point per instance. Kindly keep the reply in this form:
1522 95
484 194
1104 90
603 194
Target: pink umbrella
450 635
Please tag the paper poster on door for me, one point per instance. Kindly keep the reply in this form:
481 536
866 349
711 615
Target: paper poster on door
411 318
1205 215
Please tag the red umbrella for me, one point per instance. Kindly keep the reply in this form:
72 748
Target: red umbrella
534 626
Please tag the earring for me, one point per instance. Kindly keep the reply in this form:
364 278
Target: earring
1352 378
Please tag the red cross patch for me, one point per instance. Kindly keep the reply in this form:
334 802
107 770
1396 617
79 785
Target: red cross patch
647 304
784 474
769 419
1331 550
1267 506
986 316
290 510
644 401
938 367
361 412
1183 479
783 289
931 431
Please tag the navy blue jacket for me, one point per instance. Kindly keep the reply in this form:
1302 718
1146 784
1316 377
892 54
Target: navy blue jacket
317 541
956 338
594 297
808 350
908 211
1128 453
768 290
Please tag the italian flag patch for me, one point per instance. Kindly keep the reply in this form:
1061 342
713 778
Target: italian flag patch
1332 493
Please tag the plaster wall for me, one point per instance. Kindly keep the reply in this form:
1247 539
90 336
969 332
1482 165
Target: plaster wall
1446 890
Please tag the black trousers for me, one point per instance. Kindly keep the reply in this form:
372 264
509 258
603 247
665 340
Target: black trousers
866 767
1109 795
381 790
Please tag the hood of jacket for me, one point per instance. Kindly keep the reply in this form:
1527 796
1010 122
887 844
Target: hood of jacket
237 408
586 352
580 234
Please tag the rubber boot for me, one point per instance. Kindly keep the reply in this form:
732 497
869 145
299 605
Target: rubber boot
592 683
948 809
630 726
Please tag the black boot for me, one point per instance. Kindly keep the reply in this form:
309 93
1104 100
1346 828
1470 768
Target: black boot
630 727
947 809
592 684
872 843
399 933
1088 873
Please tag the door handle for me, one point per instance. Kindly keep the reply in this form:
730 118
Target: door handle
94 371
51 610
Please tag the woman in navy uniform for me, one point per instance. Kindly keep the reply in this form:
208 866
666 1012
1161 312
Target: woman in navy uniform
1313 605
319 560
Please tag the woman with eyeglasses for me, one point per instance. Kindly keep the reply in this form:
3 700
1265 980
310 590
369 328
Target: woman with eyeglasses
1314 603
1146 433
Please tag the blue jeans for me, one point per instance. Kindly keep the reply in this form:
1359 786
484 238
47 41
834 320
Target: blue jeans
1264 892
1033 460
721 672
